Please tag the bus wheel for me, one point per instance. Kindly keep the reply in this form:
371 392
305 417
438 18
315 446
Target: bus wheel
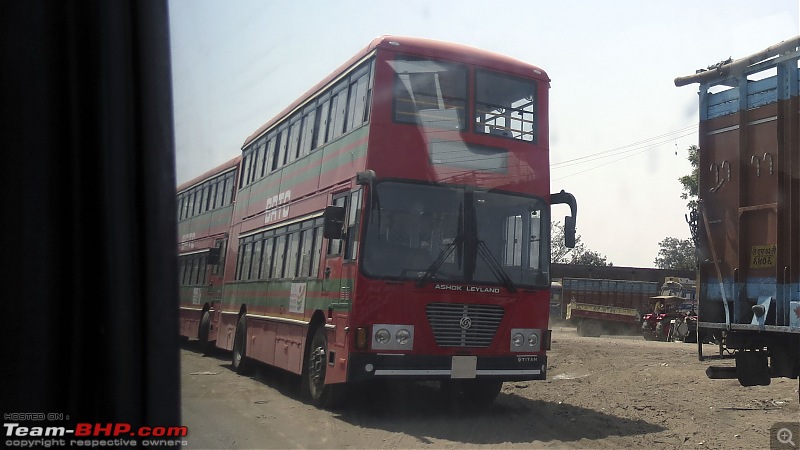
481 392
239 362
203 332
323 396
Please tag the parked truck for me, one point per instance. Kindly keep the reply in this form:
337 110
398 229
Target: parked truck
748 219
600 306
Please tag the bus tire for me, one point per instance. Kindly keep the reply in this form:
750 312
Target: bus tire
329 396
239 360
203 332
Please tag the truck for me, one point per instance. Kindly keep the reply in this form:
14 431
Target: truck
602 306
674 312
747 224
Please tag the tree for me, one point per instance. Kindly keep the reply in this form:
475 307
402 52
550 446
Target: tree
689 182
590 258
691 190
561 254
677 254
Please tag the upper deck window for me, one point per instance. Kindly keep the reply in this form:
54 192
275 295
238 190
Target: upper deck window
431 93
505 105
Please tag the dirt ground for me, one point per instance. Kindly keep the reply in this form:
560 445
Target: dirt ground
607 392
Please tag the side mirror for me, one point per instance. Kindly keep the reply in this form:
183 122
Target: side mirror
333 222
569 221
569 232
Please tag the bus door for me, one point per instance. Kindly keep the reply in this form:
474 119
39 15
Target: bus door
340 269
216 261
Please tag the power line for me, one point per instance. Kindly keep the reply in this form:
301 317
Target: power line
633 147
636 150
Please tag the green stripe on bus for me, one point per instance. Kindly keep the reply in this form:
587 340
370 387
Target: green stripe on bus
210 219
274 294
303 169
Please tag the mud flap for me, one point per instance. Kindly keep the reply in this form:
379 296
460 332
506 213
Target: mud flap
752 368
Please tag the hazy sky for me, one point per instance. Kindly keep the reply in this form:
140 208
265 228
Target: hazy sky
612 64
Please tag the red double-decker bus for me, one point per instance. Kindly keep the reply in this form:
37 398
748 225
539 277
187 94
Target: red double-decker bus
205 210
394 222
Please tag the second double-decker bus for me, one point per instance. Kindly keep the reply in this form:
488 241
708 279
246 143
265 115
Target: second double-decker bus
205 210
394 223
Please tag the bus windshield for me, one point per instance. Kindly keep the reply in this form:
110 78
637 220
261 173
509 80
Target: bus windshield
455 235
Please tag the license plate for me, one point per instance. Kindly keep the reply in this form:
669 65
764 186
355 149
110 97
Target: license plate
464 367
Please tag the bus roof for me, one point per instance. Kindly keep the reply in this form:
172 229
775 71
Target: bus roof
416 46
216 170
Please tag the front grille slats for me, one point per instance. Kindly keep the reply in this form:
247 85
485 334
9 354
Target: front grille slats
445 320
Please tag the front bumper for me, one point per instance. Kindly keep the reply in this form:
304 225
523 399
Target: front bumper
368 366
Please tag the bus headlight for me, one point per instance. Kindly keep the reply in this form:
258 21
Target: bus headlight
393 337
403 336
526 340
382 336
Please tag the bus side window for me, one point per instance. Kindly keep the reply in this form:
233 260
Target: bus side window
317 251
321 126
258 155
280 257
292 247
338 111
267 258
353 220
202 276
266 166
307 130
280 147
335 245
294 139
182 268
216 256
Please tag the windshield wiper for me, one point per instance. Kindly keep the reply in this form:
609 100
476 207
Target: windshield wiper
457 243
443 255
495 266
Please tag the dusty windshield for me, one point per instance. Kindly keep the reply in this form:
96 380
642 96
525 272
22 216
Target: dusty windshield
434 233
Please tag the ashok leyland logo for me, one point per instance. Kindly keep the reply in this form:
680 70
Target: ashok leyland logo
465 322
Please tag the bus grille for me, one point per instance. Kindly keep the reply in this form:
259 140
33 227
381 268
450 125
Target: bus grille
446 321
